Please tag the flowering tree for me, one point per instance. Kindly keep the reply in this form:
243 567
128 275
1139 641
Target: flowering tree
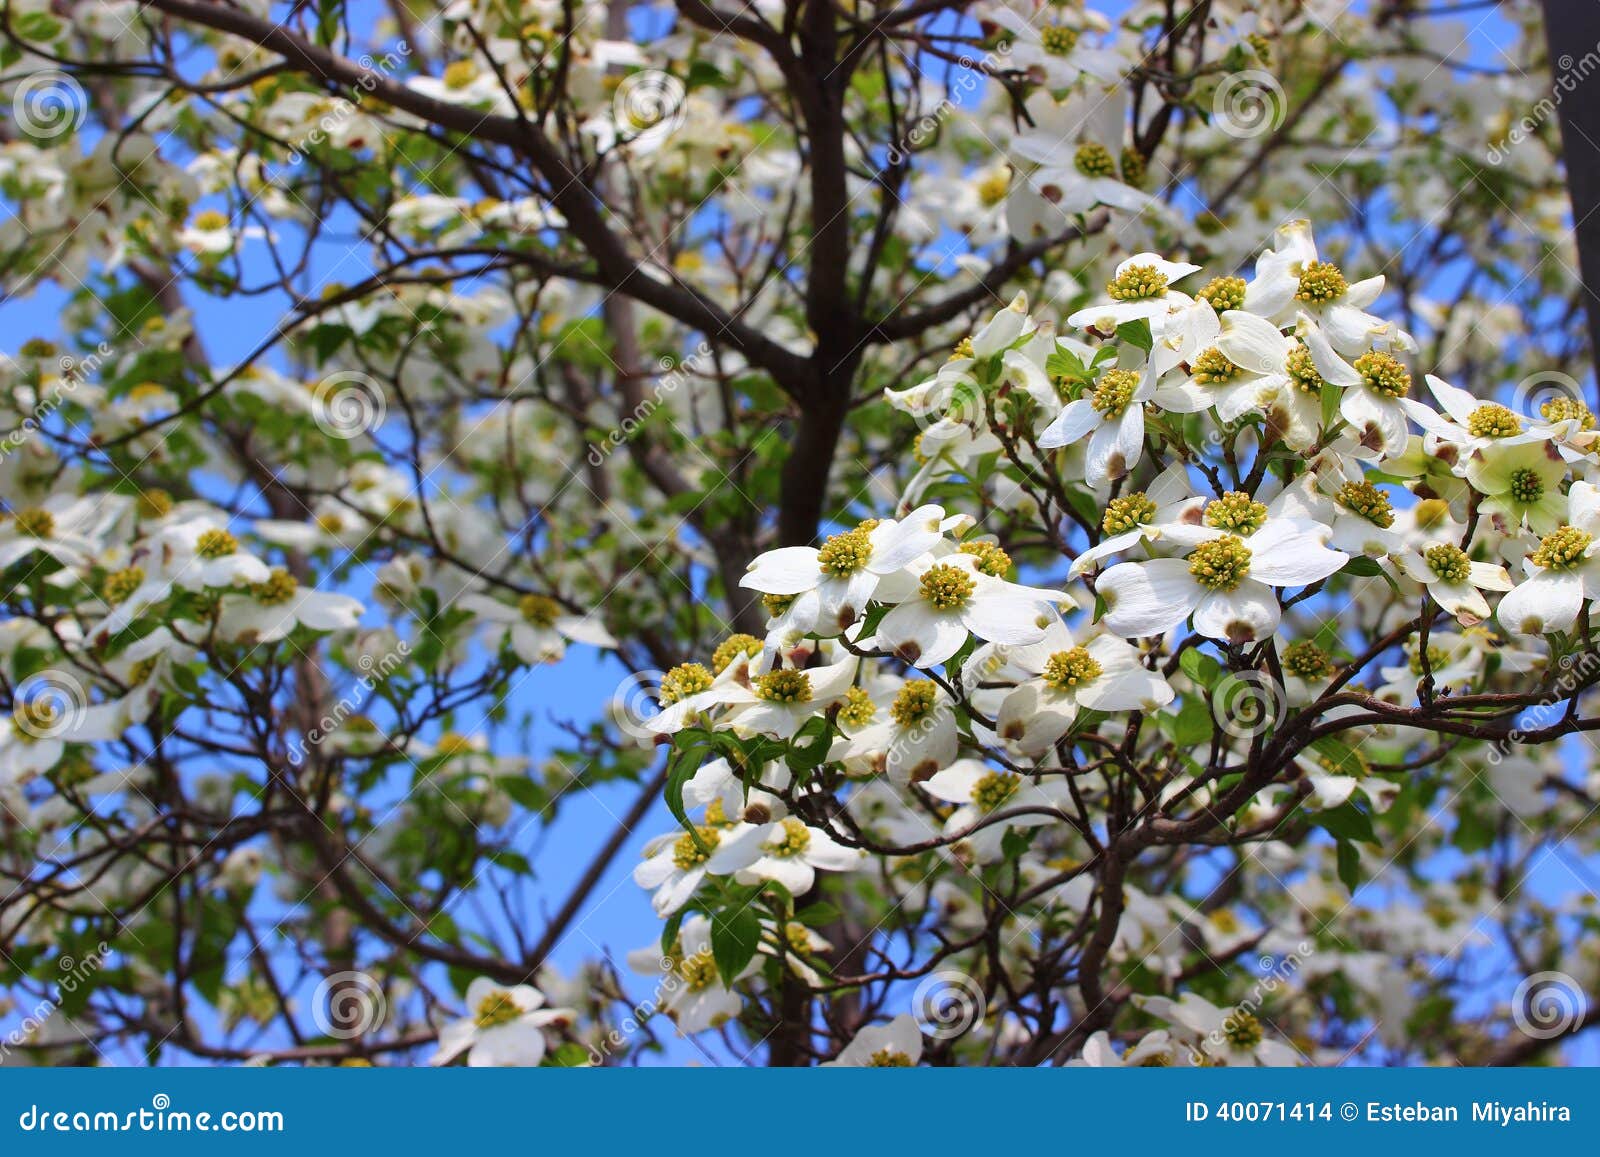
1070 611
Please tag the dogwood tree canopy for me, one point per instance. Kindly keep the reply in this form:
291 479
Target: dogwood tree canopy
1092 512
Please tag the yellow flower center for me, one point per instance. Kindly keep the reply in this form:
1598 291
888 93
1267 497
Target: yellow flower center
1493 421
794 839
1138 283
993 188
1221 564
459 74
1236 511
1562 549
155 504
1134 167
1368 501
686 853
1567 409
887 1058
1526 486
1094 160
34 522
1067 669
34 719
1058 39
1223 293
699 971
1448 562
994 789
496 1009
945 587
1303 370
215 544
279 588
210 221
1212 368
1242 1029
777 604
991 559
842 555
1307 660
682 681
858 708
784 687
915 702
1125 513
731 648
963 350
1114 393
539 610
120 584
1320 283
1383 374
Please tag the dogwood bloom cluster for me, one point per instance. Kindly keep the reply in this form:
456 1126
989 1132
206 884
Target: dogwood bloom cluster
1218 543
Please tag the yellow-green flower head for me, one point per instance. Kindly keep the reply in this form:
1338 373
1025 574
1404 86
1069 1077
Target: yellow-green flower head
1221 564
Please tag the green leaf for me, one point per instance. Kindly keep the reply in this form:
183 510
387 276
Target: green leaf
1200 667
1349 866
1330 405
1348 822
811 743
734 936
1194 724
1136 333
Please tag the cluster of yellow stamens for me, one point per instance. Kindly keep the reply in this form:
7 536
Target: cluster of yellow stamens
1125 513
858 709
1223 293
1567 409
1562 549
1094 160
1236 511
946 587
688 853
1450 563
794 840
496 1009
1320 283
994 789
1492 420
1303 370
1221 564
1212 368
1384 374
914 702
990 558
279 588
120 584
35 522
731 648
1368 501
1307 660
682 681
784 687
1114 392
842 555
539 610
215 544
1137 283
1068 669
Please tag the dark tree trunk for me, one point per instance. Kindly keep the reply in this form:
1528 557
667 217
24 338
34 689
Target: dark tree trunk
1572 31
